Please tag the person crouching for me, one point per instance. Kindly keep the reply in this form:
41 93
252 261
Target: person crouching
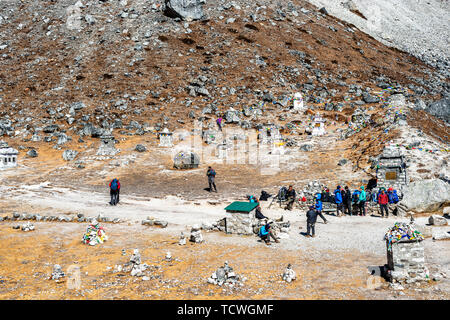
265 232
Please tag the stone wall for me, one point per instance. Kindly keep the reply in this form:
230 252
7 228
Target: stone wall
240 223
406 261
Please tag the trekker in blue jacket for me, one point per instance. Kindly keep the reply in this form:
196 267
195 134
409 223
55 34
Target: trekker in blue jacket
318 206
338 201
265 233
362 202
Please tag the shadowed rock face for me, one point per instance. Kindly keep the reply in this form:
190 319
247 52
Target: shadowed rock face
185 9
440 109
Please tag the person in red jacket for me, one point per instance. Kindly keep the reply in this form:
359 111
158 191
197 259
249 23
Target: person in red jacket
114 191
383 201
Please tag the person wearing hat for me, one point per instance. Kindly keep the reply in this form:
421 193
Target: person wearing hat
338 201
265 233
362 202
311 218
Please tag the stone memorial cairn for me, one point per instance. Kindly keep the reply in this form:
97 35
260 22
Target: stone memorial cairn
134 266
107 146
289 274
405 254
391 169
224 275
166 138
27 227
182 241
196 234
8 156
57 273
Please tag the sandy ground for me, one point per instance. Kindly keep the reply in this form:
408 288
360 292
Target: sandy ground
333 265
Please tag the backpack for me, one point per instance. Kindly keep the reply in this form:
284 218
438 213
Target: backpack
114 184
395 196
251 198
282 194
264 196
355 197
212 172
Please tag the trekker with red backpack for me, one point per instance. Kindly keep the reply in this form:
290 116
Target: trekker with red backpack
114 190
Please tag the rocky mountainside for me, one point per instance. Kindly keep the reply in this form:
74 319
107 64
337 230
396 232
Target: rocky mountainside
107 63
76 70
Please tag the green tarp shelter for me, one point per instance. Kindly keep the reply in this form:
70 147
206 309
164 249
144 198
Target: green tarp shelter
240 206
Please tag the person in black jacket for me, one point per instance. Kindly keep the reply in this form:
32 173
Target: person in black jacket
290 197
311 218
258 213
347 199
211 174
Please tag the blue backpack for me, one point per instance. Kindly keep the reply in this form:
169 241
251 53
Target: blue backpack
395 197
114 184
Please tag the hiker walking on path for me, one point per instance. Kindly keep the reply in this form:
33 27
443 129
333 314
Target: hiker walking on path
265 233
318 207
338 201
362 202
290 197
311 218
383 201
211 174
219 122
347 200
114 190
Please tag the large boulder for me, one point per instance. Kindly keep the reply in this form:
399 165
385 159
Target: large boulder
440 109
426 195
185 9
436 220
69 155
186 160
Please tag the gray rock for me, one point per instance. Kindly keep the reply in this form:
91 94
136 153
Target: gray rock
51 128
161 223
186 160
140 148
370 99
69 155
437 220
185 9
440 109
425 195
342 162
32 153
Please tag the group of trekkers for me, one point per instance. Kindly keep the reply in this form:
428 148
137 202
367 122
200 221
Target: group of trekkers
346 203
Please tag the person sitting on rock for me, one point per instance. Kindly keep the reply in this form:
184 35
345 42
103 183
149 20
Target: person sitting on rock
265 233
290 198
258 213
